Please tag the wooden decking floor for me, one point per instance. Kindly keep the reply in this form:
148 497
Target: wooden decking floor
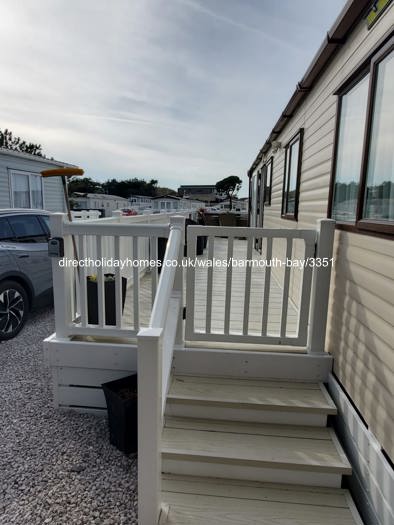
218 296
209 501
246 393
256 444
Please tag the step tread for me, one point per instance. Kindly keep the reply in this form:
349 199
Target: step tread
268 395
197 501
259 444
241 427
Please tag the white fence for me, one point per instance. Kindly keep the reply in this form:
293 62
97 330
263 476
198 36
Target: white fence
156 343
118 238
285 329
83 215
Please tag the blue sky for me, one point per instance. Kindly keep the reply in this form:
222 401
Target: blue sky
183 91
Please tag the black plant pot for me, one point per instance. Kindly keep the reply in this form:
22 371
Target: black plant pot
162 244
109 300
121 398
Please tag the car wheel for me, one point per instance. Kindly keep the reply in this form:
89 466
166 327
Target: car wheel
14 309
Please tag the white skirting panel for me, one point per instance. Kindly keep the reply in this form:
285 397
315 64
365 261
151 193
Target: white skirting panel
80 367
372 481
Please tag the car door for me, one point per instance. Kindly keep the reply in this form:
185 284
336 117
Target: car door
7 262
30 250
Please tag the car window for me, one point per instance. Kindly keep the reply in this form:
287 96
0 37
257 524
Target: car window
27 228
6 233
44 219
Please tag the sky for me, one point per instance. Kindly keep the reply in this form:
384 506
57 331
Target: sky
183 91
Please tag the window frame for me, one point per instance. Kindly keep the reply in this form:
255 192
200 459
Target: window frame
268 194
254 192
361 225
297 137
29 174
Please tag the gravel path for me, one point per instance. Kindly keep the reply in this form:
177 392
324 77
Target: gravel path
55 467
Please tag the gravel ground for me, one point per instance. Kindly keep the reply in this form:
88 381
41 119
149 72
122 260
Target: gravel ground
55 467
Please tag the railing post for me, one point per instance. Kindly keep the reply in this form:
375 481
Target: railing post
178 221
60 276
321 286
149 424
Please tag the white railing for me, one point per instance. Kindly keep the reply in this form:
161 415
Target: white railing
155 353
119 237
83 312
276 326
156 343
83 215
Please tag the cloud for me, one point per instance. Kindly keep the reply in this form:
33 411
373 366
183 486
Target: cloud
220 17
166 89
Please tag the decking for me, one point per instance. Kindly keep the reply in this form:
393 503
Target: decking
249 418
208 501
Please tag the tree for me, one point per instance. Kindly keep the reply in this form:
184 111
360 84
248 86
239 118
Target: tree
8 141
125 188
163 190
84 185
229 187
121 188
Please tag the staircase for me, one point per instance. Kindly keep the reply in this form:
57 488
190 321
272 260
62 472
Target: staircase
252 452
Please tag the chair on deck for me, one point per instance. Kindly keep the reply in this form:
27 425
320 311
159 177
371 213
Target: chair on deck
227 219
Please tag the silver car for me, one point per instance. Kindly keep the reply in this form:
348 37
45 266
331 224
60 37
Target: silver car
25 268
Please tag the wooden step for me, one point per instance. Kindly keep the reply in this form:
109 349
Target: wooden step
254 451
206 501
249 400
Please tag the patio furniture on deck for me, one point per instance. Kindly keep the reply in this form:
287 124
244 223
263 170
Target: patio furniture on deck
227 219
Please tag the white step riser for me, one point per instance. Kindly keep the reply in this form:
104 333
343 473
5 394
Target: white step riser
269 475
246 415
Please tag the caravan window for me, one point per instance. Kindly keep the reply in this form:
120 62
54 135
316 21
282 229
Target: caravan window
362 187
291 180
26 190
268 184
378 202
353 108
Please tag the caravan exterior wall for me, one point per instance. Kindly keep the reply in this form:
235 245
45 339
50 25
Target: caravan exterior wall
21 185
360 333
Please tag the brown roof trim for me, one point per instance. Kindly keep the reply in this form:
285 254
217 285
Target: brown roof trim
335 38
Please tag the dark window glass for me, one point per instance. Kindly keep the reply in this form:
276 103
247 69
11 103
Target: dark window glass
268 187
5 230
254 197
27 228
363 175
349 152
45 221
291 178
379 189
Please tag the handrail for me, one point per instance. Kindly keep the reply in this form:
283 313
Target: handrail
155 353
87 228
166 281
148 218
